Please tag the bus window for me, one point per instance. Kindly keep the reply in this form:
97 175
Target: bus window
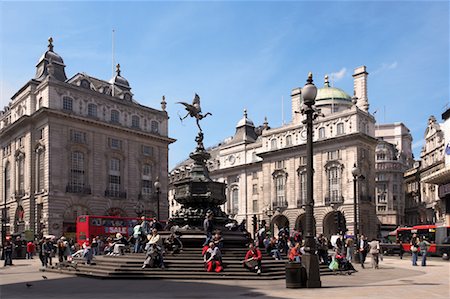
82 219
82 236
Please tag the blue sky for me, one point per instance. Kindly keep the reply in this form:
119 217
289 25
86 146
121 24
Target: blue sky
240 55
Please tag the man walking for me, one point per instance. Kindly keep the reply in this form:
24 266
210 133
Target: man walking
362 247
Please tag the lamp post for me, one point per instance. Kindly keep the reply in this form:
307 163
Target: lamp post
356 172
158 192
310 260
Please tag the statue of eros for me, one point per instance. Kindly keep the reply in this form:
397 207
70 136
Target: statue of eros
194 110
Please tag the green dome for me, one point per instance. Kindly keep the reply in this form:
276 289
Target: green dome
328 93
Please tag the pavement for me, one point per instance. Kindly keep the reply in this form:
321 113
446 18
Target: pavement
395 279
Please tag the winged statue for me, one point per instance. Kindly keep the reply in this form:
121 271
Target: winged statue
194 110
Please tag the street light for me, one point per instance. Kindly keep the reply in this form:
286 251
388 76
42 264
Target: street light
158 192
356 172
310 260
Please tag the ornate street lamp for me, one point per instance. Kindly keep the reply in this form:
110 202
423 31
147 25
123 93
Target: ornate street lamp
310 260
356 172
158 193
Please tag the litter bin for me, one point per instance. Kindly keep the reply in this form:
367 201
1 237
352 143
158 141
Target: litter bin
295 275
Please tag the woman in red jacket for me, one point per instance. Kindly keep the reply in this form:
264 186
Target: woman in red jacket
30 249
253 259
294 253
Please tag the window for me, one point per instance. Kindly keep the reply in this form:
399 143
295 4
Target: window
255 206
155 126
255 189
114 165
7 180
146 187
40 169
115 116
67 104
135 122
302 198
381 177
147 170
280 187
85 84
340 129
395 188
279 164
40 134
302 160
381 156
333 155
147 150
76 184
77 136
21 176
114 178
273 143
146 179
288 140
321 133
235 201
92 110
115 143
334 184
381 208
254 175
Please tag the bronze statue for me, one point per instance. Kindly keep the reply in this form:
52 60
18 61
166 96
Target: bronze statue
194 110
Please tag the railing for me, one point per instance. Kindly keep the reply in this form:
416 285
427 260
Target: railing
78 189
282 204
334 200
115 194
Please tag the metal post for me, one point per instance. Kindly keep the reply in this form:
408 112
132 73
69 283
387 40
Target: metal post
310 259
158 192
355 207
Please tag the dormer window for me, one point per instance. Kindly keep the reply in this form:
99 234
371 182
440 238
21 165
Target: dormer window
85 84
127 97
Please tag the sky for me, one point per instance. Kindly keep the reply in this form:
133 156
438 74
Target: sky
240 55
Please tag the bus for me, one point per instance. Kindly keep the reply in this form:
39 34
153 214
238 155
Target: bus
88 226
432 233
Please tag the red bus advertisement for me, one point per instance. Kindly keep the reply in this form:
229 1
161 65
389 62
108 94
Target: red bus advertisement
88 226
432 233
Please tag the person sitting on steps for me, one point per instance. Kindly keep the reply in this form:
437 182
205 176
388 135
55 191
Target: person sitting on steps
253 259
212 258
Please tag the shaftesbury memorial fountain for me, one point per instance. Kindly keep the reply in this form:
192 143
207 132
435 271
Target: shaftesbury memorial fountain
198 194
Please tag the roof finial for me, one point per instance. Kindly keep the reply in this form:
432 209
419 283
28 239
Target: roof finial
266 123
245 113
163 103
310 78
118 69
327 83
50 44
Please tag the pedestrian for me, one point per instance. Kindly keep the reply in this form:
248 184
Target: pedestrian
363 248
349 244
30 250
294 253
401 250
8 251
145 227
423 247
87 253
414 249
374 250
47 249
208 227
253 259
137 233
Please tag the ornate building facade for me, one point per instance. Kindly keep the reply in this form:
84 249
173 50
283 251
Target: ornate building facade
393 155
265 168
79 146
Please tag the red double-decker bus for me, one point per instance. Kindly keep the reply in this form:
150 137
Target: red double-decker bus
432 233
88 226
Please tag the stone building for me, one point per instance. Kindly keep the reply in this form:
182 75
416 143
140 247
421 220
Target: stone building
393 155
79 146
265 168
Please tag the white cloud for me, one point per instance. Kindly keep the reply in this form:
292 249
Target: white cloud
336 76
386 67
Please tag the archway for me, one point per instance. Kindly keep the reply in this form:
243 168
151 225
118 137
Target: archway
279 222
70 219
334 223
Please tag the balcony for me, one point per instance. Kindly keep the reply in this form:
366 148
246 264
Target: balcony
115 194
78 189
334 200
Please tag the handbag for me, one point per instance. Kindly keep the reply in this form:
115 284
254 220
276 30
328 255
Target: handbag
333 265
413 248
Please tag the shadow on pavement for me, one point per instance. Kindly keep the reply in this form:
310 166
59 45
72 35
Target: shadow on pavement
77 287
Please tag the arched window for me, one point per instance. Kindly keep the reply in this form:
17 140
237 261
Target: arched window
7 179
92 110
334 184
234 201
340 129
288 140
115 116
321 133
135 122
155 126
273 143
77 173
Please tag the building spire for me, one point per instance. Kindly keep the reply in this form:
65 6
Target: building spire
118 69
163 103
327 83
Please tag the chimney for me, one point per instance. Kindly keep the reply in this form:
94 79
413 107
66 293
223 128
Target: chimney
360 87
